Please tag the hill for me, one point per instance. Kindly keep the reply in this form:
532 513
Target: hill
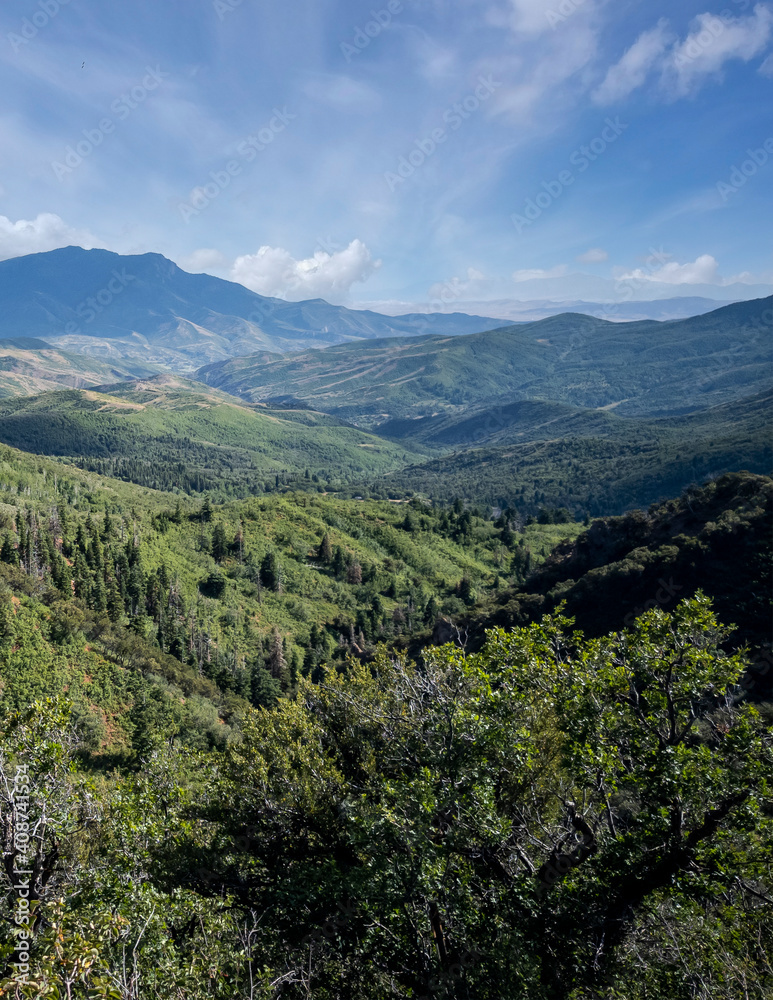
717 537
169 433
29 366
227 603
588 461
637 369
145 307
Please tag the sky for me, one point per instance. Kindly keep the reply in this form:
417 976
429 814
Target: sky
399 151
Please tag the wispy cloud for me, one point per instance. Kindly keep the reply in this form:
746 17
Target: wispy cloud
684 66
635 65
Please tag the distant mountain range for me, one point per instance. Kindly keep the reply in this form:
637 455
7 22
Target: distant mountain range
147 309
617 310
637 369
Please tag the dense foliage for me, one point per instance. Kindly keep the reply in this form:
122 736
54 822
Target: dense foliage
553 817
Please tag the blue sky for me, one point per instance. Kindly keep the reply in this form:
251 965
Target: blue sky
406 151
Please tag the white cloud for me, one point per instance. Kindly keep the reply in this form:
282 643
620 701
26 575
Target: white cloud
45 232
529 274
702 271
711 43
205 259
273 271
684 66
632 69
593 256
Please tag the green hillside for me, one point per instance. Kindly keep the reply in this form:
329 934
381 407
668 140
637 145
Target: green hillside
329 838
590 461
231 603
168 433
643 368
717 537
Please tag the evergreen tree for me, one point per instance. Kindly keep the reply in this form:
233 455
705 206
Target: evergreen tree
271 572
219 546
325 553
8 553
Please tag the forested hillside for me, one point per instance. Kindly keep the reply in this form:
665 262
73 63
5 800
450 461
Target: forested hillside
593 462
169 433
240 781
717 538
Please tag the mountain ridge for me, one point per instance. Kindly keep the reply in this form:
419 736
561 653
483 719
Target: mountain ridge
144 306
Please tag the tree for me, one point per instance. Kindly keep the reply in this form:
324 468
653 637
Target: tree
8 553
213 585
219 543
276 657
325 553
271 572
338 564
206 511
525 821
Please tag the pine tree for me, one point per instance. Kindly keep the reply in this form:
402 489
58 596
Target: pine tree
271 572
325 550
219 547
8 553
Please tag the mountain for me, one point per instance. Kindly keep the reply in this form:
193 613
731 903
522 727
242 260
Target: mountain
29 365
169 433
643 368
144 307
617 308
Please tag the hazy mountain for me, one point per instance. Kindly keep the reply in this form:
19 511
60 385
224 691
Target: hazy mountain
515 310
107 305
642 368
